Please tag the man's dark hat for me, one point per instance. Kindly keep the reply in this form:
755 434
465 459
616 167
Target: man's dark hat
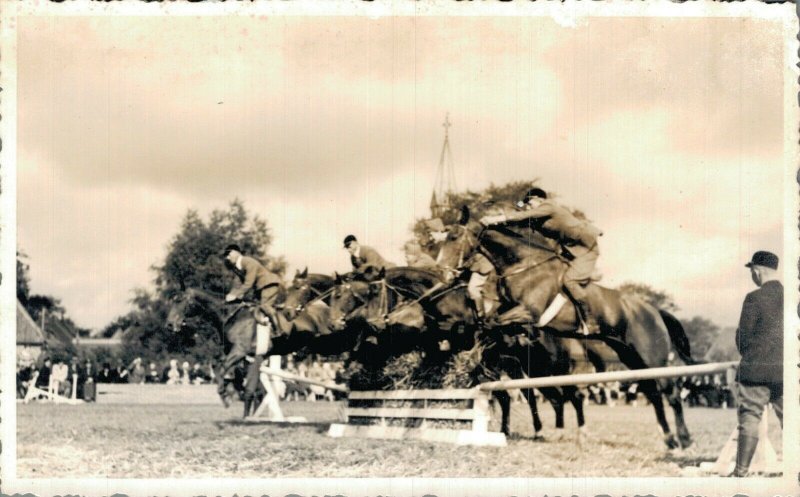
230 248
764 258
535 192
348 240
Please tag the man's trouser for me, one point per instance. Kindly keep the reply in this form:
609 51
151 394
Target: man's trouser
580 271
475 292
266 296
752 401
253 377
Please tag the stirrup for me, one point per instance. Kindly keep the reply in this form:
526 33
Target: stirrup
262 318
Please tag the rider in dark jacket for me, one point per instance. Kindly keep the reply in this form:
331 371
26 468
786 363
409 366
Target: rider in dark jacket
577 237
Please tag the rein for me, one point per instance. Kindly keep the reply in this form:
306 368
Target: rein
357 297
319 296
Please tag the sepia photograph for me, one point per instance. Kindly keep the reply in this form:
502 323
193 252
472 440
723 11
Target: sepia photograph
391 248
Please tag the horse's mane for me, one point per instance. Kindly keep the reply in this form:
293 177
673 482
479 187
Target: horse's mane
314 278
412 281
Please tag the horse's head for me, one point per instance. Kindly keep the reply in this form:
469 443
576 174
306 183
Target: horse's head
461 242
303 289
298 293
347 297
187 304
182 307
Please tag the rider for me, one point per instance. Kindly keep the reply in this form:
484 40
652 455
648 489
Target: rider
363 257
578 239
252 274
415 257
479 266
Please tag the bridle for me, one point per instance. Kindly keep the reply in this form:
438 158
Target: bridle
307 287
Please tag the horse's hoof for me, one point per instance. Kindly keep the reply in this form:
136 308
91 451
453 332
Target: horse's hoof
685 441
538 438
672 444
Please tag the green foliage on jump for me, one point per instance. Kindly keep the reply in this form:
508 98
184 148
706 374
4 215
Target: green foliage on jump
478 203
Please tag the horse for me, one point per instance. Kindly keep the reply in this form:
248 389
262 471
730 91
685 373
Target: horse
306 289
530 268
236 326
438 318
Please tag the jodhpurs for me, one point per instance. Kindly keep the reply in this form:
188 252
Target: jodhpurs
752 401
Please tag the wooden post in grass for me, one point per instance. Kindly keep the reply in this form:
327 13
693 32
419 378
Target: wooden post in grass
765 460
271 404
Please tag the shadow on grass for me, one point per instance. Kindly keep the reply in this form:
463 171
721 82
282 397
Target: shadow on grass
322 426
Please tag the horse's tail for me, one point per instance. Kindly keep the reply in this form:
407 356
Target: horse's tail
678 336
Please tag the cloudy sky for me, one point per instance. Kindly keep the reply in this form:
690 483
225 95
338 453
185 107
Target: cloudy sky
668 133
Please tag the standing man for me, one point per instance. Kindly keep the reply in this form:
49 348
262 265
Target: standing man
577 237
253 275
363 257
759 339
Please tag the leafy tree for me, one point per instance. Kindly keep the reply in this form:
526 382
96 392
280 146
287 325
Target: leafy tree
194 256
724 347
37 304
702 334
23 279
194 259
657 298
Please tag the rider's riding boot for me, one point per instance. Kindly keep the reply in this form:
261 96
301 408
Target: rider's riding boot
248 400
590 324
480 312
272 318
745 448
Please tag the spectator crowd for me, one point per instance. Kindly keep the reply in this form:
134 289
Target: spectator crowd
45 373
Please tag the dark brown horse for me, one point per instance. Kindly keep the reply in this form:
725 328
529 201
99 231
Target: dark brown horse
307 289
236 326
530 268
413 309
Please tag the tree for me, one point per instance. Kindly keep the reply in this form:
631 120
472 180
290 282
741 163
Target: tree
37 304
23 279
194 259
702 334
194 256
657 298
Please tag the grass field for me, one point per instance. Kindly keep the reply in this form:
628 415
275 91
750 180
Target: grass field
157 441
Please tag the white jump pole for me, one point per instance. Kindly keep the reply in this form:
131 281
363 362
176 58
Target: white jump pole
591 378
301 379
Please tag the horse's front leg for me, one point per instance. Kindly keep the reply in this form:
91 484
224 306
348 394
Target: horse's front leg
234 357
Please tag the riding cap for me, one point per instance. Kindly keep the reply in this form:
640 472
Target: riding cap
535 192
763 258
348 240
434 224
230 248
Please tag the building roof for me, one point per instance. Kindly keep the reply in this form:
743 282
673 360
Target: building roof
28 333
97 342
57 331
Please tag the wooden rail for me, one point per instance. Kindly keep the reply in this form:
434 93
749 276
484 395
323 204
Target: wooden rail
302 379
592 378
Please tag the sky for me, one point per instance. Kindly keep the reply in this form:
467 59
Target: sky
668 133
